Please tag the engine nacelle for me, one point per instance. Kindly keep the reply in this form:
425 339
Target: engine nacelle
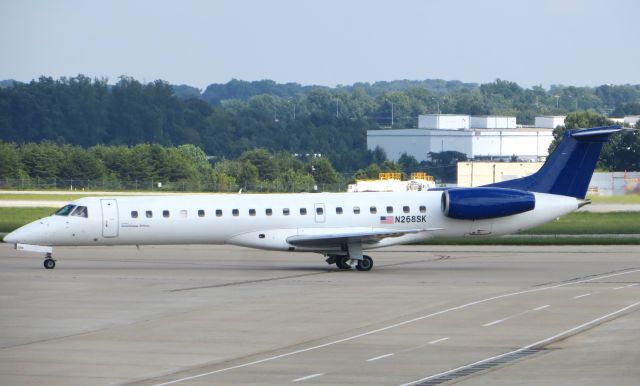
484 203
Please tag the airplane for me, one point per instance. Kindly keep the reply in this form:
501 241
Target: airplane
340 226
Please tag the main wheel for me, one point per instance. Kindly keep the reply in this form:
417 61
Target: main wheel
49 263
365 264
342 262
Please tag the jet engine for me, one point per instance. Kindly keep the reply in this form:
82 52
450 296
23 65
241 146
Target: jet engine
485 203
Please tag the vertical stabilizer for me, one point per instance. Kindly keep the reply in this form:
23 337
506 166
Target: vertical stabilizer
569 168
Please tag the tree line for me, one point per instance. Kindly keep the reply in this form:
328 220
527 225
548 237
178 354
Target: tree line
174 168
227 120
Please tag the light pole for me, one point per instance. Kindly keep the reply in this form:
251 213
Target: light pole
557 100
293 103
391 114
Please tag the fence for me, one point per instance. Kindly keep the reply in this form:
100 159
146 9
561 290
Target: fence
161 186
615 183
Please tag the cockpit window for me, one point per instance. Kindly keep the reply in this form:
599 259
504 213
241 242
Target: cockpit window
65 210
80 211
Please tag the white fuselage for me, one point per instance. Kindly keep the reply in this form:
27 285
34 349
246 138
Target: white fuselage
262 221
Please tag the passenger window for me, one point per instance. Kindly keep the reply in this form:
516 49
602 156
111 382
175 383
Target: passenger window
134 214
405 209
268 212
252 212
389 209
80 211
373 210
65 210
165 213
423 209
285 211
235 212
218 212
149 214
356 210
201 213
303 211
183 213
319 210
338 210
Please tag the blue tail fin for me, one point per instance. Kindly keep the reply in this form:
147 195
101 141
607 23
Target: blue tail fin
569 168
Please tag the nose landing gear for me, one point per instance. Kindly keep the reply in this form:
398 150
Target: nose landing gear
49 262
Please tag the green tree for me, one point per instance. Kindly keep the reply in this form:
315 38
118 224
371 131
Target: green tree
621 152
247 175
370 172
79 163
408 163
263 162
578 120
10 161
443 165
42 160
323 172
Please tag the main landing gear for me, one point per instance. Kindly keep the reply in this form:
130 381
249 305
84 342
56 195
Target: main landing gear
49 263
346 262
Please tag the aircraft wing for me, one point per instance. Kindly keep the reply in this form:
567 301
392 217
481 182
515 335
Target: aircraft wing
339 238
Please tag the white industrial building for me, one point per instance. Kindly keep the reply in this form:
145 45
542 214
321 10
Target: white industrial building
477 137
631 120
443 121
493 122
550 121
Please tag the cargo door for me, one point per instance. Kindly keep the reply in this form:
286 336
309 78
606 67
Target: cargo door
110 222
318 210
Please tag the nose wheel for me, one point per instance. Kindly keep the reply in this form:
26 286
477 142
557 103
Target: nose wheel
49 263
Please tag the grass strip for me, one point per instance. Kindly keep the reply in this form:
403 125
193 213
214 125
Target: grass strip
42 197
541 240
12 218
585 223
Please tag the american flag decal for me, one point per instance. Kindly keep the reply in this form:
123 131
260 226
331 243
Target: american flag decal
386 219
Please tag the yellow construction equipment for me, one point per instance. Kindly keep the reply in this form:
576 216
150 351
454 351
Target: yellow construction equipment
390 176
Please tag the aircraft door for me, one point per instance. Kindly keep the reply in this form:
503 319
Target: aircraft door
110 221
318 210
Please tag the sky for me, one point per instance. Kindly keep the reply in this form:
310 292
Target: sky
324 42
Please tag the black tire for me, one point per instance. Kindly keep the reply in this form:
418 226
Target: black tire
49 263
342 262
365 264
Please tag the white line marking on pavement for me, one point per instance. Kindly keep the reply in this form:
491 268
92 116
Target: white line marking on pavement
438 340
380 357
626 286
492 323
527 347
581 296
307 377
541 307
403 323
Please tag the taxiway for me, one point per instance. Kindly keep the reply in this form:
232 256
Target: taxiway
203 315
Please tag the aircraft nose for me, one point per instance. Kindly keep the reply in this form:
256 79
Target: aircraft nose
33 233
11 237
